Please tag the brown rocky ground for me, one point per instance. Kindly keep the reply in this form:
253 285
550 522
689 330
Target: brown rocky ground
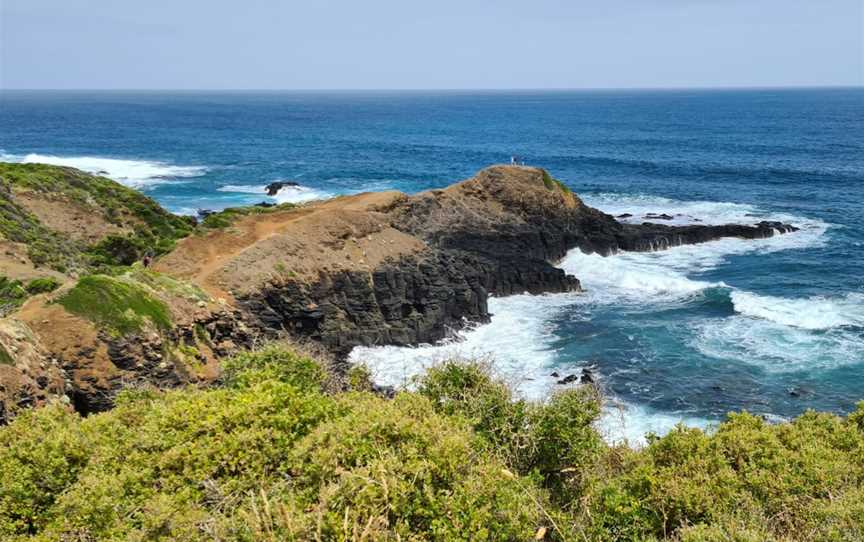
343 233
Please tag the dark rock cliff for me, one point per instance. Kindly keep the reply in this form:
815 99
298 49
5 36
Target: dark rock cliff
499 233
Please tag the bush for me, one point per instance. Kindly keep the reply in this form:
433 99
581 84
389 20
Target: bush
272 457
790 479
12 293
400 468
566 444
113 250
42 285
468 390
41 454
274 363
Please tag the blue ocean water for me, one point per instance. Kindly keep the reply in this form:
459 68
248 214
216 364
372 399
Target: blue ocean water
774 326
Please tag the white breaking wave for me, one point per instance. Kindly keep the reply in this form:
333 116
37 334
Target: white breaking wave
517 342
627 423
244 189
778 348
812 313
287 194
134 173
683 212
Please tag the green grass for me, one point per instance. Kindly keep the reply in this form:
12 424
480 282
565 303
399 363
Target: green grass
12 293
153 228
118 305
164 283
5 357
272 456
229 216
551 182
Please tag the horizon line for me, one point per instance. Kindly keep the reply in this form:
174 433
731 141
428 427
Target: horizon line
442 89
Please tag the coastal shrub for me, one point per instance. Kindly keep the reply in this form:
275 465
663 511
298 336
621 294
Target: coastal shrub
566 445
469 390
117 250
555 440
274 363
42 285
400 468
12 294
360 378
41 454
117 305
273 456
789 478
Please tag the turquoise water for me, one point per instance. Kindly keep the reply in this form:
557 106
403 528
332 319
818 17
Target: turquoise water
774 326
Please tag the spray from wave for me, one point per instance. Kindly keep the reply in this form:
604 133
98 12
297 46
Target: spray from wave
287 194
133 173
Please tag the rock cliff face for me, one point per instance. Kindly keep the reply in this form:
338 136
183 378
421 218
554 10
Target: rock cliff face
499 233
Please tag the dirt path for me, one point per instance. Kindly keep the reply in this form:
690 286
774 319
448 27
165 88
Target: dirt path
303 240
197 258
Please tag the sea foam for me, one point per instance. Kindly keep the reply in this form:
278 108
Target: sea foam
288 194
812 313
134 173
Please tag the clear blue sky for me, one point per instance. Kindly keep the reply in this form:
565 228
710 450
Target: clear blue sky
434 44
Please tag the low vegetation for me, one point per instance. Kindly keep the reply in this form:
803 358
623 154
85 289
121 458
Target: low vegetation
276 453
551 182
14 292
147 226
118 305
227 217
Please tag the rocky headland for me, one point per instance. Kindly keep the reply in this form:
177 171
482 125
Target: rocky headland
368 269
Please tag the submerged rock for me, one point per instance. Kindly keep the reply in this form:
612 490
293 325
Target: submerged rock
654 216
274 187
569 379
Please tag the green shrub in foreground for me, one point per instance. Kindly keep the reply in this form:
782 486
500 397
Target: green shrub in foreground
271 456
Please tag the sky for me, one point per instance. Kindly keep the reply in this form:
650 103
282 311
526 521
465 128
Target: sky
435 44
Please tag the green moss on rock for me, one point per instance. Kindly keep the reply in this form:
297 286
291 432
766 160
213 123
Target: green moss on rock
118 305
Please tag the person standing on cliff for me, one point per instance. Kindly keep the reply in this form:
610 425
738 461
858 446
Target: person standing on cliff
512 160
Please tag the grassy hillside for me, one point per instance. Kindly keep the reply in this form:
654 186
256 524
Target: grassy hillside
126 222
277 454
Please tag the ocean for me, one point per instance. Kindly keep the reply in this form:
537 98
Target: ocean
774 326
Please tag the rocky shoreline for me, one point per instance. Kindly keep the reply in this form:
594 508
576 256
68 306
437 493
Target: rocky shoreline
364 270
500 233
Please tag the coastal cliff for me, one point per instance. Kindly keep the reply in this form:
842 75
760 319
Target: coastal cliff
389 268
368 269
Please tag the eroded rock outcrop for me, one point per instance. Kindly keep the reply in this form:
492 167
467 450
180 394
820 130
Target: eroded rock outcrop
389 268
29 376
